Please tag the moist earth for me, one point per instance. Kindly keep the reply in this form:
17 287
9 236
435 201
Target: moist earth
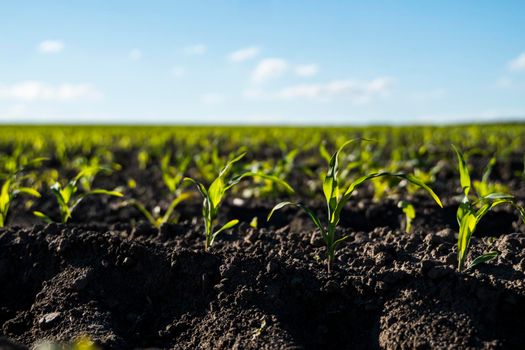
134 286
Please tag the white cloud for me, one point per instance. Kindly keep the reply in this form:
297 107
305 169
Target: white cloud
51 46
244 54
518 64
135 55
306 70
269 68
212 98
36 90
355 91
197 49
178 71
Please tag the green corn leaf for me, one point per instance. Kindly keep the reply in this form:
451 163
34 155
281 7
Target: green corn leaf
416 181
410 178
339 241
310 213
488 170
497 196
330 184
5 198
463 209
229 165
464 176
105 192
226 226
324 153
140 207
483 259
180 198
410 213
68 191
273 178
521 210
218 188
466 229
216 191
59 194
254 222
200 186
471 217
28 191
43 216
408 209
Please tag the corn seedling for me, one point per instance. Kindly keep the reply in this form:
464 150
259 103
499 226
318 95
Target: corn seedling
215 193
172 177
337 197
10 189
471 210
280 168
485 186
68 197
90 169
410 214
12 185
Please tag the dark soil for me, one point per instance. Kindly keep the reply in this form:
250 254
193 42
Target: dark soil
258 288
127 285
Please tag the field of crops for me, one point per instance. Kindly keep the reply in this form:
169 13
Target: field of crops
249 237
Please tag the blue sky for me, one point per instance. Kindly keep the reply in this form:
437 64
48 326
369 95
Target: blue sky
261 62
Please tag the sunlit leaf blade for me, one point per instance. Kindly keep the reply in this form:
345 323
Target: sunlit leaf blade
339 241
359 181
226 226
466 229
324 152
4 196
273 178
497 195
216 191
416 181
464 176
463 209
62 203
410 214
229 165
330 184
488 170
29 191
311 214
180 198
200 186
43 216
105 192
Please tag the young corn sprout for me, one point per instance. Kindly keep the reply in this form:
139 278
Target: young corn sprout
13 175
485 186
90 168
11 189
280 168
337 197
214 194
471 210
172 177
410 214
68 197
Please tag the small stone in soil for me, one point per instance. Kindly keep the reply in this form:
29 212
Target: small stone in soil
49 319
